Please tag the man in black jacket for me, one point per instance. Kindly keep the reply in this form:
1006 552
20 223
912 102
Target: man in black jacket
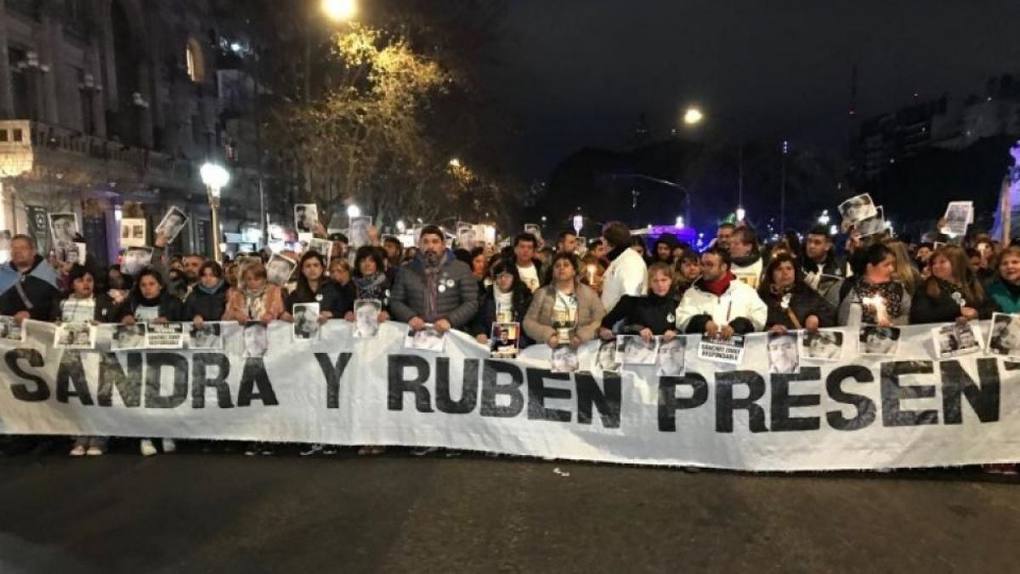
28 284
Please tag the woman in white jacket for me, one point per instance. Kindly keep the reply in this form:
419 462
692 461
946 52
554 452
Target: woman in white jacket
717 304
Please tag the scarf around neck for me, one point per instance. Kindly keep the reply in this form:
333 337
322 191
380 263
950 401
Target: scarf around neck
719 286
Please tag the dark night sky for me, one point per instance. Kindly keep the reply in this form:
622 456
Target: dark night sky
580 72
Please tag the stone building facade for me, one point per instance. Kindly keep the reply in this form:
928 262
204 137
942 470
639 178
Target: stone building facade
108 108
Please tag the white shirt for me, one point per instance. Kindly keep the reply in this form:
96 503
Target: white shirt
529 275
504 306
626 275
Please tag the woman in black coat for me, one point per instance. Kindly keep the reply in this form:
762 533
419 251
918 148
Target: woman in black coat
208 298
649 315
953 292
505 301
792 303
150 301
315 286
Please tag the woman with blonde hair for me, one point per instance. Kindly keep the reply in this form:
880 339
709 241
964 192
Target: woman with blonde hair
255 298
646 315
904 270
953 291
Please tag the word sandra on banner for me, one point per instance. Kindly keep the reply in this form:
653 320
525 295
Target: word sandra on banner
861 412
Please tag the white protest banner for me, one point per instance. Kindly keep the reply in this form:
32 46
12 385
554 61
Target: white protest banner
907 410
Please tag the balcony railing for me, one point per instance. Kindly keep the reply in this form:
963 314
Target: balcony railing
44 143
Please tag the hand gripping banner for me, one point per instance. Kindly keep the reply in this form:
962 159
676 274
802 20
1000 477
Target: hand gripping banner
850 411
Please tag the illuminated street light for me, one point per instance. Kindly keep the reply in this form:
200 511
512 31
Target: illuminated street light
215 178
679 222
353 210
455 162
340 10
824 217
401 226
741 213
693 116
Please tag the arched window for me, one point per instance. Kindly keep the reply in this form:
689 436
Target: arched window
195 61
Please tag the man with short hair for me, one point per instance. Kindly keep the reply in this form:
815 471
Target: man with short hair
717 305
745 258
567 242
340 243
627 273
28 284
528 267
722 235
822 270
434 287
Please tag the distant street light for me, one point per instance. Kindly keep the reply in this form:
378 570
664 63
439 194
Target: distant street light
215 178
455 162
693 116
353 211
401 226
824 217
679 222
340 10
741 214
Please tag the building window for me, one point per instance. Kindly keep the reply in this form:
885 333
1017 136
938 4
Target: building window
194 61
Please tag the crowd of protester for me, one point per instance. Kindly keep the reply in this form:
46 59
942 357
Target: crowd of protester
560 292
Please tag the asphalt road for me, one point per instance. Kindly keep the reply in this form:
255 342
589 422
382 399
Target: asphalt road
395 513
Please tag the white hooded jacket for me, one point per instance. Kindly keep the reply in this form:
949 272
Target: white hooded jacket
739 301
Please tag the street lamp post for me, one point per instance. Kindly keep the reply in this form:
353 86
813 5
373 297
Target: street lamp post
215 178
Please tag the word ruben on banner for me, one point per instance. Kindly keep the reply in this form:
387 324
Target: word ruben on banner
904 407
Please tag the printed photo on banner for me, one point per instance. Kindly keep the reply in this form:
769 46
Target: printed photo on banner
959 215
172 224
77 255
633 350
11 331
822 345
956 339
366 318
128 337
504 340
64 227
358 234
1004 335
135 260
306 321
857 208
872 225
783 351
132 232
256 340
279 269
564 359
466 236
207 337
323 247
5 246
879 340
164 336
729 351
306 216
534 229
74 310
606 358
672 357
74 336
427 339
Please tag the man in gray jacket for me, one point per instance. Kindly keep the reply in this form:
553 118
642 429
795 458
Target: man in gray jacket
434 287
